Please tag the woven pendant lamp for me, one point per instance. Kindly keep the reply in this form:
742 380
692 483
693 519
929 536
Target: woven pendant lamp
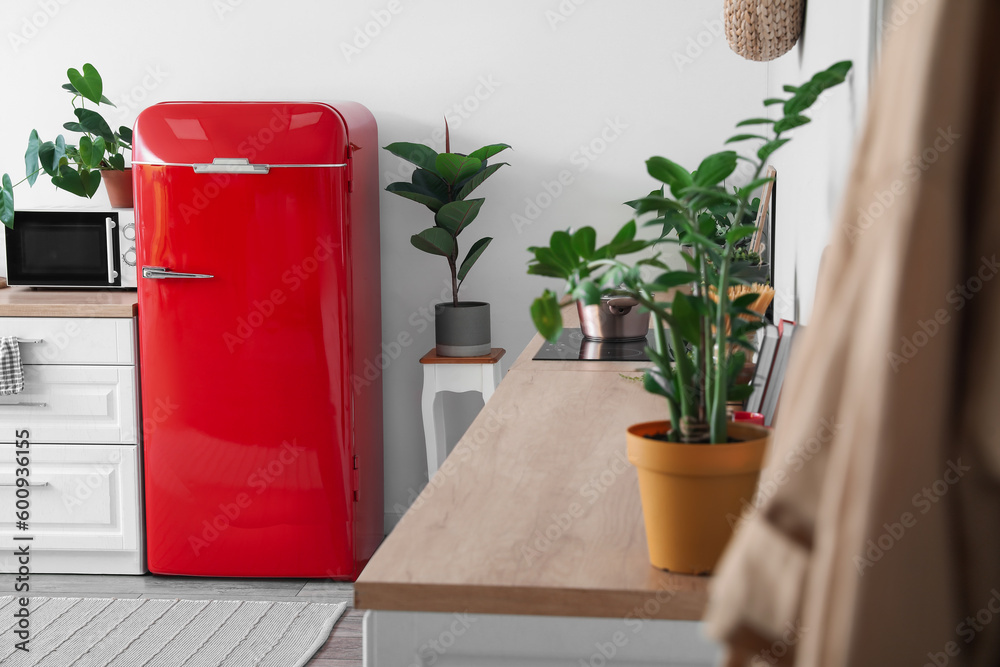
763 29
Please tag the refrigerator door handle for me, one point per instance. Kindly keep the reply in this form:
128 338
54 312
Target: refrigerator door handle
159 272
230 165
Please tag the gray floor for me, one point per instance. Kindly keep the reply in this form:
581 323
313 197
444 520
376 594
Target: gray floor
343 649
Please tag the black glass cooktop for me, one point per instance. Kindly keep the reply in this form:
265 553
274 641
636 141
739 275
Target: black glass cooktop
572 346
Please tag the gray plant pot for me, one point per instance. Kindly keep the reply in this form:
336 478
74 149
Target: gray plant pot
463 330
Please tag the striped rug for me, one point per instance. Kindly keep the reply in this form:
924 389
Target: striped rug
78 632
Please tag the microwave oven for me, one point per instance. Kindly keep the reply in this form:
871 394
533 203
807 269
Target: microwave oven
72 249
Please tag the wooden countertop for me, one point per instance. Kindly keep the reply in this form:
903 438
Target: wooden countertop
537 509
27 302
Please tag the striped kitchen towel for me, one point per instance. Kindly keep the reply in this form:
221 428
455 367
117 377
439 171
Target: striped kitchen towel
11 372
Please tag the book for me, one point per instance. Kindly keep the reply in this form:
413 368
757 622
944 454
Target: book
766 346
787 333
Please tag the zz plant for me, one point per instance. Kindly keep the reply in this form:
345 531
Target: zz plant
442 182
696 357
73 168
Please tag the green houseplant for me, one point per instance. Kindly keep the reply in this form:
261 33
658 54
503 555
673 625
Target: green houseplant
443 182
78 168
700 337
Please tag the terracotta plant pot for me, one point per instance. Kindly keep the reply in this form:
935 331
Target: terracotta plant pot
119 187
692 495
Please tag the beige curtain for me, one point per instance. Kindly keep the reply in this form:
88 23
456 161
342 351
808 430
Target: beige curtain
876 538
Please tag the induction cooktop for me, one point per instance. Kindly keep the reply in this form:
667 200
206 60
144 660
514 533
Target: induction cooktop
572 346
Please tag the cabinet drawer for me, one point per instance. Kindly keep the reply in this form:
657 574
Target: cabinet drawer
82 497
72 340
67 404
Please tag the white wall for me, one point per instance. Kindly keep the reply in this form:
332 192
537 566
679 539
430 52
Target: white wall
630 79
813 169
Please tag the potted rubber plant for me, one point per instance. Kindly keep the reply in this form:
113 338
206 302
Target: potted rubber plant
697 467
78 168
443 182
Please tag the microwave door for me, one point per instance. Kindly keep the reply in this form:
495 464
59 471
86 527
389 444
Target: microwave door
51 249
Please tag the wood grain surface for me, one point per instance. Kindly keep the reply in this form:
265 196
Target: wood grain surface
536 511
432 357
28 302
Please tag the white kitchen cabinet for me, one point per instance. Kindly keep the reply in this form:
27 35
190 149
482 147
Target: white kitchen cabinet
80 409
74 404
91 341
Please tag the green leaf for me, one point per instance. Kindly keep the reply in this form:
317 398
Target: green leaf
51 154
669 172
91 181
92 152
417 154
744 137
435 241
587 292
710 195
657 203
477 179
546 315
125 133
562 245
741 232
94 123
117 162
841 68
773 100
802 100
790 89
31 157
624 235
673 279
686 321
790 122
715 168
739 392
655 383
457 215
547 270
88 84
585 242
545 256
431 184
744 301
707 224
7 202
69 180
83 183
771 146
658 192
453 167
748 189
474 252
74 127
754 121
415 193
486 152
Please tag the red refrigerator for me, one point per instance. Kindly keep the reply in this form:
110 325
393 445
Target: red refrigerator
259 304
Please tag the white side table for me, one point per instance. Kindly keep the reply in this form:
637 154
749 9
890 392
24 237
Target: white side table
457 374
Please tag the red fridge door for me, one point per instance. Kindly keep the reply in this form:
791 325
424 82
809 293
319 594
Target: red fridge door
244 347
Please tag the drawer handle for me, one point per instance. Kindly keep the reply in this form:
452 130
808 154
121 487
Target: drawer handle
23 404
36 341
13 484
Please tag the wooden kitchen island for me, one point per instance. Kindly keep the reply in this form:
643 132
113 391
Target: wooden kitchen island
528 547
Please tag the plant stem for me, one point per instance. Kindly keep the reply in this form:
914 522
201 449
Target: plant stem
717 407
26 178
454 281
